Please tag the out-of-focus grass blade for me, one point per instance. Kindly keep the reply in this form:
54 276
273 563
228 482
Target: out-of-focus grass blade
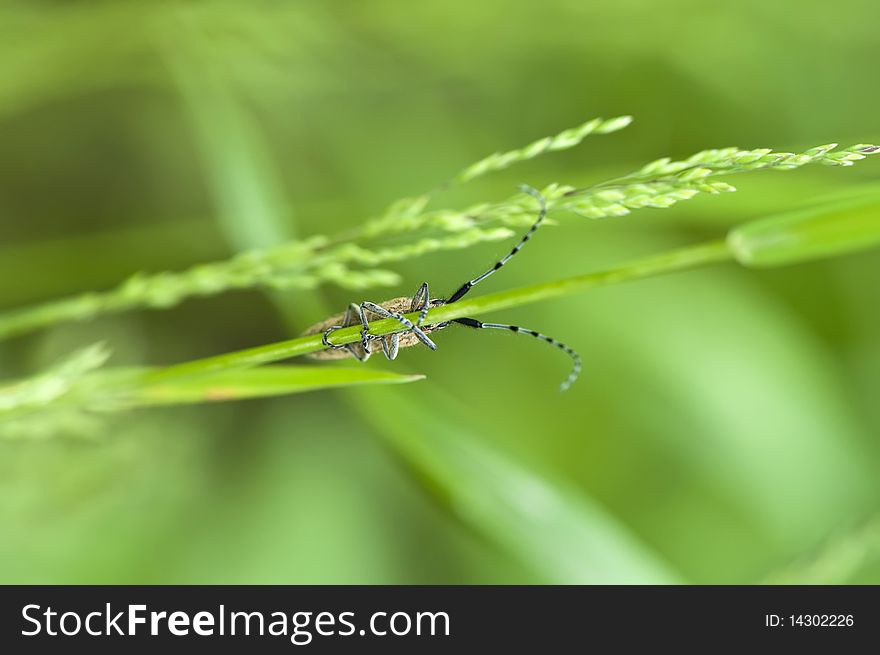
237 161
48 405
52 52
260 383
737 390
243 177
844 559
56 267
809 234
553 529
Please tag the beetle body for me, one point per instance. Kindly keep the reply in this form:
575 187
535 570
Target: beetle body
416 332
400 305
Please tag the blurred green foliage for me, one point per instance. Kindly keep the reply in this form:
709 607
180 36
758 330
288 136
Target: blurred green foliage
726 428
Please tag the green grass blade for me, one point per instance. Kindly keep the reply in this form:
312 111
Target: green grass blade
823 231
260 383
63 402
553 529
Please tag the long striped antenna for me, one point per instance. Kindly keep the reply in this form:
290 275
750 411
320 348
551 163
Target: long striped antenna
575 358
467 286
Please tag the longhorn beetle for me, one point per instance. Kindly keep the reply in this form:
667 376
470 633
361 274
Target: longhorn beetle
422 302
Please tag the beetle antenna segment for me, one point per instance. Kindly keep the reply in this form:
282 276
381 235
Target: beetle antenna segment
542 204
575 358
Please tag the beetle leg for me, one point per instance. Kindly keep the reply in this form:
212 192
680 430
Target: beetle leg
384 313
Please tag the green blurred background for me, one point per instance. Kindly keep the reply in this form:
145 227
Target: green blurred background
726 426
